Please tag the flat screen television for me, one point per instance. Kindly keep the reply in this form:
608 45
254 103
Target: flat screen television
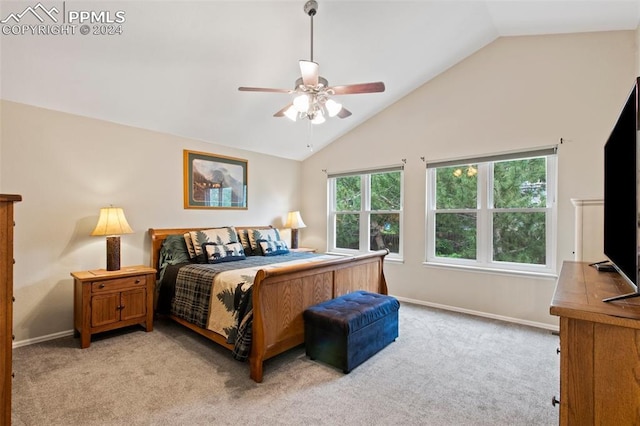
621 186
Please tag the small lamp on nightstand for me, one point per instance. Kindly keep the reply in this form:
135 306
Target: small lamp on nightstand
294 221
112 223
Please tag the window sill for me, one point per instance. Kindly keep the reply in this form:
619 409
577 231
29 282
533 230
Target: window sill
531 274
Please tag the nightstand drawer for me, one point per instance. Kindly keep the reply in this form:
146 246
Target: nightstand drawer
118 284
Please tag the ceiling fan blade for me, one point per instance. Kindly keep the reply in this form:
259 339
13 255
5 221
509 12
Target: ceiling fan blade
352 89
282 111
344 113
310 72
263 89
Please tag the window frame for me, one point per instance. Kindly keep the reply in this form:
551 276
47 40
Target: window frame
364 213
485 210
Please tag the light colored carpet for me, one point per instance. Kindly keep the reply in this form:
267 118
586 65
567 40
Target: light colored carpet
445 369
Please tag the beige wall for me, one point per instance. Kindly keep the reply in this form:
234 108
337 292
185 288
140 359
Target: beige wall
637 52
516 93
66 167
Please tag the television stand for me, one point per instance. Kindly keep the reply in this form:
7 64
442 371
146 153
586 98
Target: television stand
599 355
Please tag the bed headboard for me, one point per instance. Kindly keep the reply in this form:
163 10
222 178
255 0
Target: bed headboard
158 235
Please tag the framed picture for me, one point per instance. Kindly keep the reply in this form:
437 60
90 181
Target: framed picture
214 181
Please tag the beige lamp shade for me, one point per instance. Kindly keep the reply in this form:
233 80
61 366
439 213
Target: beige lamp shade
294 221
112 222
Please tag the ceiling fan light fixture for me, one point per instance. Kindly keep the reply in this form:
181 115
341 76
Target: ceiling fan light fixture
291 113
301 103
333 107
312 91
318 118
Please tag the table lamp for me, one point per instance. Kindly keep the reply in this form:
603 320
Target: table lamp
294 221
112 223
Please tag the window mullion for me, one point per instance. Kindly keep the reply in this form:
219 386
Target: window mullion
331 202
365 211
485 183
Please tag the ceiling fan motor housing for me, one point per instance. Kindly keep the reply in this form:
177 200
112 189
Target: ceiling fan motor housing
311 7
322 84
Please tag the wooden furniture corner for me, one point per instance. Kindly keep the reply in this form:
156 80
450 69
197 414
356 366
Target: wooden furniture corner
6 303
599 348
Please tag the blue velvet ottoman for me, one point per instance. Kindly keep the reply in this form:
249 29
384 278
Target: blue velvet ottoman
346 331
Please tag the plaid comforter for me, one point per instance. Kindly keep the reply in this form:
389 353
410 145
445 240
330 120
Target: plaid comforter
203 290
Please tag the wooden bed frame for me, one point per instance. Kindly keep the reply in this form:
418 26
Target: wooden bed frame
281 295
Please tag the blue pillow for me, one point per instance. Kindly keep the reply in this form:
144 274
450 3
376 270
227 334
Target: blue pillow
218 253
273 247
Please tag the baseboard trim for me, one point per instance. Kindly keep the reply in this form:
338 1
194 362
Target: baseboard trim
402 299
480 314
40 339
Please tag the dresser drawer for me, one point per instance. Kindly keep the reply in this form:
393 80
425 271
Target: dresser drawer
118 284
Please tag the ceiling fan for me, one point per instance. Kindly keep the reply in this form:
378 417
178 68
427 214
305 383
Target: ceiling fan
313 93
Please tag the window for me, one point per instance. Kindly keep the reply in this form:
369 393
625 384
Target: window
493 212
365 211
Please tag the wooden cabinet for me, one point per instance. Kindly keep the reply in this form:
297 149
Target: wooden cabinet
6 303
106 300
599 348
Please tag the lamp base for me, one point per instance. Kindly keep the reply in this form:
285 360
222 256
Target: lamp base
294 238
113 253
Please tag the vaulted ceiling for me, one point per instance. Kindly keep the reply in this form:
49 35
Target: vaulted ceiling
177 65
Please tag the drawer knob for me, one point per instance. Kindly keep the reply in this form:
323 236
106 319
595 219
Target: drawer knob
101 285
120 307
13 299
558 351
13 337
137 281
13 375
555 401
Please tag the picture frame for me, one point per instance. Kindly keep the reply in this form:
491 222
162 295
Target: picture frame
214 181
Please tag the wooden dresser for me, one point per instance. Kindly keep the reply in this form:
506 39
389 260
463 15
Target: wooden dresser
6 302
599 348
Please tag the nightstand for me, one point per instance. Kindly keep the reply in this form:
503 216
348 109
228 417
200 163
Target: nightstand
303 250
105 300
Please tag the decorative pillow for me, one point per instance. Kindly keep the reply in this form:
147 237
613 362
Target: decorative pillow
174 250
223 235
262 234
273 248
218 253
189 243
246 244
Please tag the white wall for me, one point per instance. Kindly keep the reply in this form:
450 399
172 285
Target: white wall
516 93
66 167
